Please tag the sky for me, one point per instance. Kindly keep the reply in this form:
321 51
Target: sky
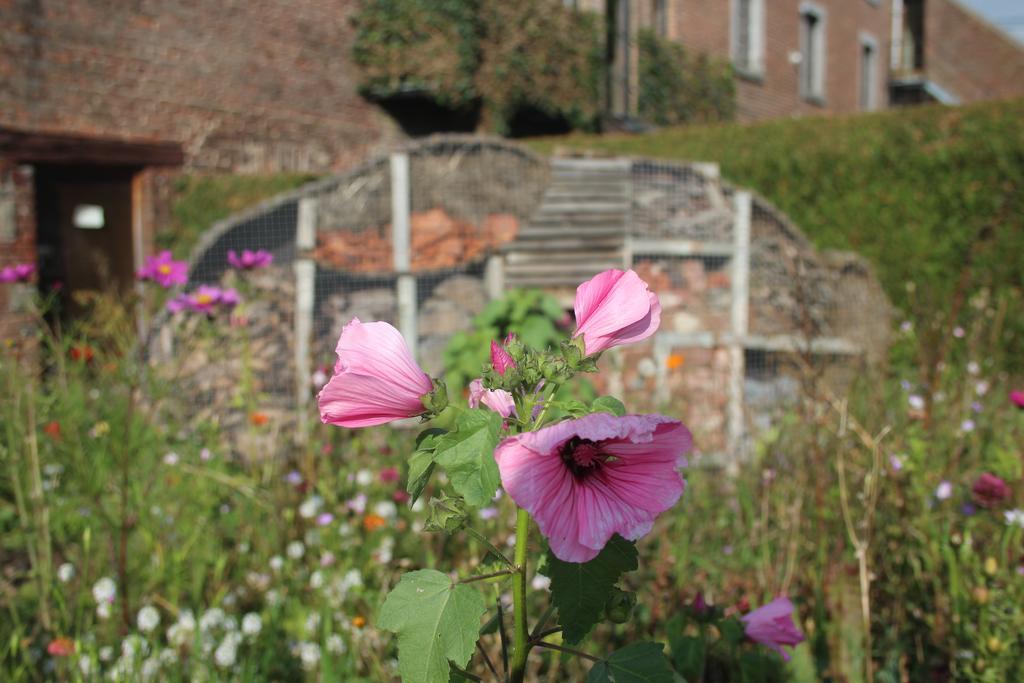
1007 14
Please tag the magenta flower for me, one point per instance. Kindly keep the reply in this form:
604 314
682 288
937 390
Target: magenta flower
164 270
250 260
498 400
501 360
388 475
375 379
772 625
615 307
205 299
587 479
19 272
1017 398
989 490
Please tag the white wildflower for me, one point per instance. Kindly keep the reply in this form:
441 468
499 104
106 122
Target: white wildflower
227 652
211 619
295 550
316 580
252 624
65 572
148 619
310 507
386 509
104 591
336 645
309 655
364 477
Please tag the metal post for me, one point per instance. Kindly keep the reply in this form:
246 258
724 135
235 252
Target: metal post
401 240
305 287
739 324
494 277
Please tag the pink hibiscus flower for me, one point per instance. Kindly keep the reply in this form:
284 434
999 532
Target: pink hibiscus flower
772 625
376 379
205 299
20 272
613 308
164 270
498 400
250 260
587 479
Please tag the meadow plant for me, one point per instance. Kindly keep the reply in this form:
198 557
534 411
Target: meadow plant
591 477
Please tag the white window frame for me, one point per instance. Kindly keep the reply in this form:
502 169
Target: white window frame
814 54
868 80
752 63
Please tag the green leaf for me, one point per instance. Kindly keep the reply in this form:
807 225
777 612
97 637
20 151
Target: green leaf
436 620
421 463
688 655
635 663
467 454
609 404
580 590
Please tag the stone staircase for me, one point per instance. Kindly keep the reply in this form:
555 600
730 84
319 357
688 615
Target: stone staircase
578 230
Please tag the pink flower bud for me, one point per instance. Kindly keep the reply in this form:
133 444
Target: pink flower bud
772 625
375 379
613 308
501 360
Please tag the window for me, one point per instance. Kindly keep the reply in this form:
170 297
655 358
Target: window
812 52
868 73
661 18
748 36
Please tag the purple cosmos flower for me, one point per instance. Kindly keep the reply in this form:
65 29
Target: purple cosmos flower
967 426
989 490
324 518
958 332
164 270
206 299
20 272
1017 398
772 625
976 406
944 490
250 260
896 462
906 326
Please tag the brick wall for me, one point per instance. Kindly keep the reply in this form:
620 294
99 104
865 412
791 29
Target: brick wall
704 25
244 85
969 57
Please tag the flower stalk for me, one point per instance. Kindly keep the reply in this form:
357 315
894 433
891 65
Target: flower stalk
520 637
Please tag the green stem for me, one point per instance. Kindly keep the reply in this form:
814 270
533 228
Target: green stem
520 637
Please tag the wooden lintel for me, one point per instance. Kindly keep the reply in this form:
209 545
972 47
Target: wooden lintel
36 147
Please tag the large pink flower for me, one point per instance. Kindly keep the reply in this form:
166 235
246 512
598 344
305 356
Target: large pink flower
498 400
772 625
1017 398
375 379
615 307
164 270
587 479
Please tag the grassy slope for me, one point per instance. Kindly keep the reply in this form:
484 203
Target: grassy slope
910 189
202 200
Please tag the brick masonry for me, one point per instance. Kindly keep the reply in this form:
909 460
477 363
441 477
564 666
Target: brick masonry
246 86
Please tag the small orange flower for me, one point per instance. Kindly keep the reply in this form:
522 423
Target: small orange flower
359 621
61 647
52 429
372 522
258 419
675 361
82 352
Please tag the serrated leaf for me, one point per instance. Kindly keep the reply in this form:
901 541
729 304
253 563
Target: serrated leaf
436 620
636 663
467 454
609 404
580 590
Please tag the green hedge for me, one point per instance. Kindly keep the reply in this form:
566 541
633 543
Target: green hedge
677 87
933 196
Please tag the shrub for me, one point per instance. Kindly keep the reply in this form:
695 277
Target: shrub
676 87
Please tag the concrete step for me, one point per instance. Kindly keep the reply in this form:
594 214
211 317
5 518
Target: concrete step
580 257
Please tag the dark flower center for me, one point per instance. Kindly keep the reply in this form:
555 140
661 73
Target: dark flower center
582 456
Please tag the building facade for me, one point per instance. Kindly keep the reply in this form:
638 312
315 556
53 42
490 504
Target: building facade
806 57
102 103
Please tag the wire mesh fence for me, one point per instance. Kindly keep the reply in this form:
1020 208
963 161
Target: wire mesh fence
425 237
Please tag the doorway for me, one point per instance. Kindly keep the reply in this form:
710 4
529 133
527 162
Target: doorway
85 235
